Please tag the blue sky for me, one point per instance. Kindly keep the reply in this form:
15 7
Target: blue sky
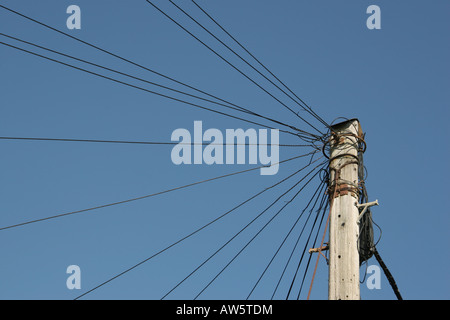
394 80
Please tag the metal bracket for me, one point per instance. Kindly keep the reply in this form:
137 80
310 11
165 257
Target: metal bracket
325 247
365 206
319 250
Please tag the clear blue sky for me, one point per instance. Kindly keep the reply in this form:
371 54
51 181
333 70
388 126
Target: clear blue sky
394 80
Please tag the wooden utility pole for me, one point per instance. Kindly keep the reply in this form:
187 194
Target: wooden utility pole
344 229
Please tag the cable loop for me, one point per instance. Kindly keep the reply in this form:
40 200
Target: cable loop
362 145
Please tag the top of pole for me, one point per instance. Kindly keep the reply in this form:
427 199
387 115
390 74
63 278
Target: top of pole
346 123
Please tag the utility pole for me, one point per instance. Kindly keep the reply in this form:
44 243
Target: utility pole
344 228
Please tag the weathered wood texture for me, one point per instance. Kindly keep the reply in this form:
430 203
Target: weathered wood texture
344 257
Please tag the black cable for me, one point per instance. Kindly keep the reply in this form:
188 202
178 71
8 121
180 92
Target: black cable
284 241
323 186
366 234
314 245
115 55
365 273
379 228
321 206
245 61
142 142
366 246
388 274
234 67
119 72
260 63
268 222
306 244
233 237
141 197
233 107
146 90
182 239
112 54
